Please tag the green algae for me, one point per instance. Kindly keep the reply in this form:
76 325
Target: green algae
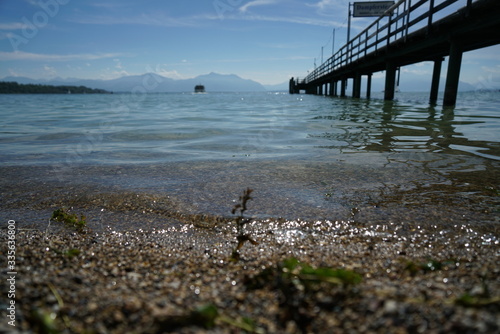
70 219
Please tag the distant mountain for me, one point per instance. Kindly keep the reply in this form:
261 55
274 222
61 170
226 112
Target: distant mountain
279 87
154 83
213 82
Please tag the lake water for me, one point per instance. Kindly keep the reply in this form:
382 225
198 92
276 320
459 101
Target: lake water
149 128
307 157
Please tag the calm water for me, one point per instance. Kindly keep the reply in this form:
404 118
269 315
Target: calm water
110 129
306 156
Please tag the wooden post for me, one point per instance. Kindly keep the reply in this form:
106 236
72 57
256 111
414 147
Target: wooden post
343 86
390 80
453 75
310 89
356 87
435 80
369 86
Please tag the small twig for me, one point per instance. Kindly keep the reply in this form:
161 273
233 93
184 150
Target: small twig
242 206
240 222
47 229
60 302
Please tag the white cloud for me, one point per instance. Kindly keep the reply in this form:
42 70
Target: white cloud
416 70
254 3
163 20
489 80
118 64
49 70
20 55
173 74
491 69
13 72
263 59
108 74
157 20
328 4
480 55
12 26
314 21
424 68
32 2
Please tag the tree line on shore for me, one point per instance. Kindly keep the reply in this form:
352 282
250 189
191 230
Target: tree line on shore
16 88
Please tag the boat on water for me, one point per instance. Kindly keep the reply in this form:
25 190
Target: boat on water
199 89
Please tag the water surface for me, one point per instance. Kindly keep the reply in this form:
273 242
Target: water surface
307 157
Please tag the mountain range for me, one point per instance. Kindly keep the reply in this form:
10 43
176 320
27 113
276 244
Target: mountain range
154 83
213 82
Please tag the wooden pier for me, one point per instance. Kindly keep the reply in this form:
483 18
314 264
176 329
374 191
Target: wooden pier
415 31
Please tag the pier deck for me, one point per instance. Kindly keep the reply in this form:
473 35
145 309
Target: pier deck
408 37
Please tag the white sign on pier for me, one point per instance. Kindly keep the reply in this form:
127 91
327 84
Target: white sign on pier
372 8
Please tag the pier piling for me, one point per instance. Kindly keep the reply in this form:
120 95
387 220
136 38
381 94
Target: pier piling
435 80
343 86
369 86
453 75
356 86
390 80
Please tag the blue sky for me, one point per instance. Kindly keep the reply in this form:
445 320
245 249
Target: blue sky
264 40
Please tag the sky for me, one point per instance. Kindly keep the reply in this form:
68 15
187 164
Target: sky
268 41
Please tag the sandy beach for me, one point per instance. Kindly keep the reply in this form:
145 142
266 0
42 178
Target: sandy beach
411 280
151 262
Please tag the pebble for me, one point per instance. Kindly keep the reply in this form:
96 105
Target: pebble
133 281
390 306
162 259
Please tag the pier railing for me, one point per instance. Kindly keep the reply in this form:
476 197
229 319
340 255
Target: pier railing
400 20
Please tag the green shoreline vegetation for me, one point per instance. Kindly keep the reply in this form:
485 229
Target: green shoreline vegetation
16 88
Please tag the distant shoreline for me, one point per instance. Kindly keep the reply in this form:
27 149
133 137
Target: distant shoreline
16 88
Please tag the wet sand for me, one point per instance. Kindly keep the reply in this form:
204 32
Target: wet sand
393 189
159 239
